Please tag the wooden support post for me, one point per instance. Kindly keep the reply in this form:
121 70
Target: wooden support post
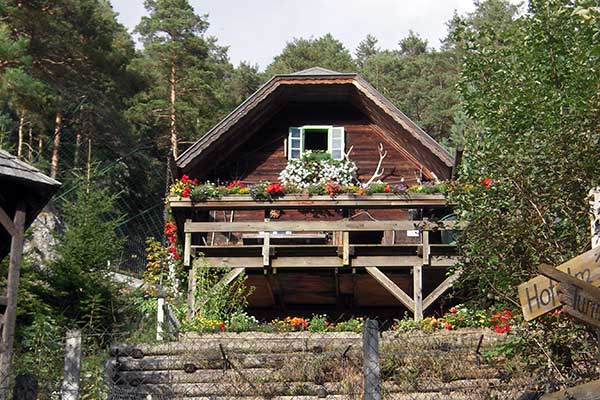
187 248
10 314
70 384
418 292
191 292
160 318
371 371
391 287
426 247
266 249
346 248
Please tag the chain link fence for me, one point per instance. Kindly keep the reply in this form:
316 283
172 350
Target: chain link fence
306 365
463 364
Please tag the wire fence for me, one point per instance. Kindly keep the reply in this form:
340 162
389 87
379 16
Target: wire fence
139 201
289 365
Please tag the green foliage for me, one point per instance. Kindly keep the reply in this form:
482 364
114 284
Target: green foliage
326 52
527 169
215 300
80 277
242 322
40 351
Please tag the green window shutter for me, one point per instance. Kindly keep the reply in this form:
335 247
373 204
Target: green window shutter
337 143
295 139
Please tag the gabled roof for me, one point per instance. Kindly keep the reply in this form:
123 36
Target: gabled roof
319 83
316 71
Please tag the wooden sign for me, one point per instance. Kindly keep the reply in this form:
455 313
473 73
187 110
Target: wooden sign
587 391
581 299
539 295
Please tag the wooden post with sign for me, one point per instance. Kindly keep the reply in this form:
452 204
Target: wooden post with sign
580 299
539 295
586 391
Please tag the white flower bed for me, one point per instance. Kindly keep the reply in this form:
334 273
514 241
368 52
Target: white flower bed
308 171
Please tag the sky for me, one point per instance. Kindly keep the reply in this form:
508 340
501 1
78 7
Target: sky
256 31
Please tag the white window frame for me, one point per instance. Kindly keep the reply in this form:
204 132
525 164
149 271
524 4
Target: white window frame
331 145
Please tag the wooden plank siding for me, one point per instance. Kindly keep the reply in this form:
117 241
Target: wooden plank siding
262 157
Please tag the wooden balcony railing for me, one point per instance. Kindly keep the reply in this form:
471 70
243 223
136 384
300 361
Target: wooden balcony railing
267 254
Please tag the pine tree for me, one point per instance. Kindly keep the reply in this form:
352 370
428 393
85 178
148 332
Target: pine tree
299 54
177 59
366 49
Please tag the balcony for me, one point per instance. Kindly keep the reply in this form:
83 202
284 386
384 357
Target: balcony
385 236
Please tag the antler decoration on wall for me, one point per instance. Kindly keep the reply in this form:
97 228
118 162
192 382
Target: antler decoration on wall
379 170
347 155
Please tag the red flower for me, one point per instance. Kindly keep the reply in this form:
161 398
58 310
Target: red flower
222 327
447 326
557 312
196 181
186 192
501 328
452 310
233 184
185 179
386 189
274 188
361 191
170 228
486 182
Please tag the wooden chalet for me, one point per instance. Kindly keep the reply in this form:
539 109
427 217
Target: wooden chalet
24 191
377 254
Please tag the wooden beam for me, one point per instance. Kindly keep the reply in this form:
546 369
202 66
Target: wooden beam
7 223
226 280
391 287
299 226
346 248
438 291
191 292
10 314
315 261
426 248
266 249
418 291
187 249
410 200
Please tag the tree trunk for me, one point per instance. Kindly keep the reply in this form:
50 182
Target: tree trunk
55 154
21 127
172 116
40 146
30 150
77 147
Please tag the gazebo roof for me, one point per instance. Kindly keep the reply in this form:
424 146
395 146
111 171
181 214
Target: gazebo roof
20 181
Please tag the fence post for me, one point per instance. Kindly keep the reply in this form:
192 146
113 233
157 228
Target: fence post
160 318
70 385
371 375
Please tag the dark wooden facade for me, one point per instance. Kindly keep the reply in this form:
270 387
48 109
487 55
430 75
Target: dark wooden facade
340 274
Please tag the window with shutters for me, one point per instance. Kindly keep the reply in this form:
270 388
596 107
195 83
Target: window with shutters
316 138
